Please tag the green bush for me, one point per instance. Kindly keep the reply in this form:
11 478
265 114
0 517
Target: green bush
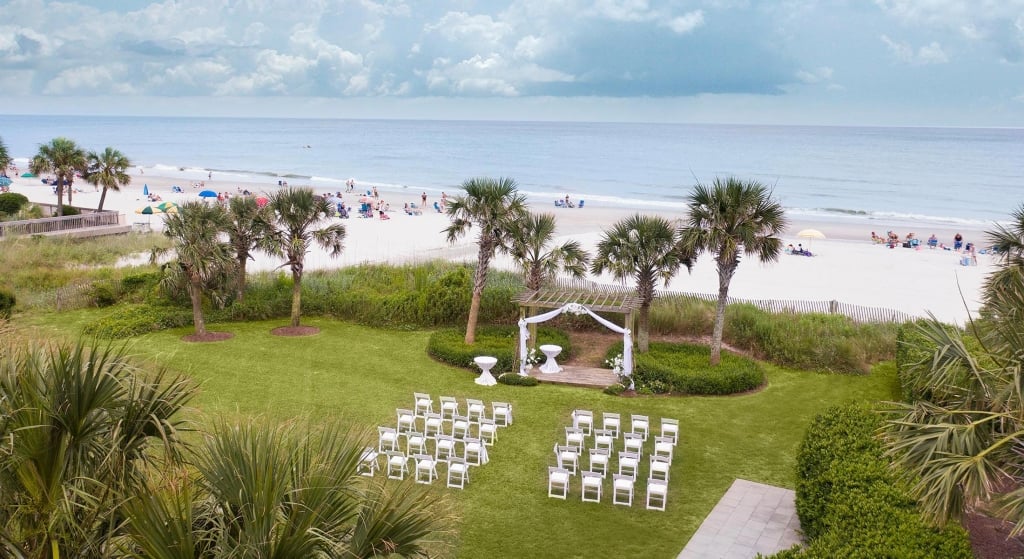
615 389
515 379
11 203
852 503
7 302
501 342
71 210
684 369
104 293
134 320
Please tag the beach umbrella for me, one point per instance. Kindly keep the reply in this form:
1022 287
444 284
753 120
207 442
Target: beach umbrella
5 181
145 190
207 194
148 210
27 176
168 207
810 234
262 201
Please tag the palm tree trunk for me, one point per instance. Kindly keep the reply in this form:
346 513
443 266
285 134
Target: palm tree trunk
479 281
195 293
60 196
240 287
103 196
725 271
296 297
642 337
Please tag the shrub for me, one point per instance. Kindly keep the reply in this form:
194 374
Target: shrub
615 389
12 202
683 369
104 293
7 302
515 379
448 346
71 210
852 503
135 320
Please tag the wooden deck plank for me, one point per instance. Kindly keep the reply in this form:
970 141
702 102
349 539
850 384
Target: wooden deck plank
578 376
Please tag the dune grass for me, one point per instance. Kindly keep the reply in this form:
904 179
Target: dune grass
360 375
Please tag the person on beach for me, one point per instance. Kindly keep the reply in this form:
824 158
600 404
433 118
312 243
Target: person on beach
444 201
790 249
933 241
209 176
958 242
423 199
568 202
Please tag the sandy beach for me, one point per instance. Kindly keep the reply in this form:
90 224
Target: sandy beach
846 266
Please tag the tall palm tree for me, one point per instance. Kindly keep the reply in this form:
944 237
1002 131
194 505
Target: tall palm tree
63 158
195 231
109 170
300 222
81 427
645 249
728 218
249 228
289 491
5 158
494 206
532 251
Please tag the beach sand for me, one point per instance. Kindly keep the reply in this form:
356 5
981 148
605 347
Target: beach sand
846 266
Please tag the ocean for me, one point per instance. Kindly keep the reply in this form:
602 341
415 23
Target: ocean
946 176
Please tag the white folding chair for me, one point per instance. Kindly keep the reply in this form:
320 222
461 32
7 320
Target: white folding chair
603 439
583 419
629 464
592 482
433 425
423 403
612 422
622 490
415 443
657 494
444 448
458 473
640 425
426 468
568 457
406 420
663 446
670 428
599 458
387 439
368 462
460 426
488 431
449 407
574 437
558 482
631 442
660 467
475 409
502 413
473 451
397 464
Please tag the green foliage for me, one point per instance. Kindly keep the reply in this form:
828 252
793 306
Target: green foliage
104 293
11 203
501 342
679 314
515 379
7 302
71 210
821 342
134 320
852 503
683 369
615 389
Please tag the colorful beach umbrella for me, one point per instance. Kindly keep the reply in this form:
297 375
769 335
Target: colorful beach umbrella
168 207
148 210
145 190
262 201
207 194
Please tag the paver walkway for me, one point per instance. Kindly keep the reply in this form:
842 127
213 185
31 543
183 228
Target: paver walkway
750 518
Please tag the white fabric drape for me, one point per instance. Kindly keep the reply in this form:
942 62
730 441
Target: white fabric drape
627 336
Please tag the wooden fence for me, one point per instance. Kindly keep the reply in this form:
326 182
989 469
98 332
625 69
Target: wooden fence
58 224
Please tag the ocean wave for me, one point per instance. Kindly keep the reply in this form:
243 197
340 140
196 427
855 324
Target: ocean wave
843 213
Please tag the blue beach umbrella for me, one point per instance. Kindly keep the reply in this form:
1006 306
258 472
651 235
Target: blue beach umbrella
145 190
208 194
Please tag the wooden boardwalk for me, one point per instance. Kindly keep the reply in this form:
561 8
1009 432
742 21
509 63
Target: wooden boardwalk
572 375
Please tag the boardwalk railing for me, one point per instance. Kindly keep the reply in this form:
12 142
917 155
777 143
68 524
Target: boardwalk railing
58 224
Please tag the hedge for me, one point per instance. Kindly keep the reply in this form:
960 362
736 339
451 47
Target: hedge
7 302
852 503
685 369
11 203
515 379
502 342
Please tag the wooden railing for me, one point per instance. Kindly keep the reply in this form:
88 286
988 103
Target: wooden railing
58 224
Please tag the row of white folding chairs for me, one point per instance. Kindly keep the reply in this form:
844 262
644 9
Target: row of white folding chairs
389 439
396 464
612 424
432 427
631 442
423 404
568 458
592 484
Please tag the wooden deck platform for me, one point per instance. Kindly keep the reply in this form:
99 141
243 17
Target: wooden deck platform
578 376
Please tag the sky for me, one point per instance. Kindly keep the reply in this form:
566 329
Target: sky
882 62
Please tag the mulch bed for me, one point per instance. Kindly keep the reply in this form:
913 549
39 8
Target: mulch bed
989 538
295 331
208 337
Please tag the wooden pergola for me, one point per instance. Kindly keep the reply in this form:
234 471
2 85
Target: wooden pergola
596 297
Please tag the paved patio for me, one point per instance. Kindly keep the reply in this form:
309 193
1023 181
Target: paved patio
750 518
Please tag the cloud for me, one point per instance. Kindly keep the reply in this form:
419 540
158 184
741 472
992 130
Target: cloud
90 80
817 75
686 23
931 53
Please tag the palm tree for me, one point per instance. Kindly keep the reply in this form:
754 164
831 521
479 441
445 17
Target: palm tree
289 491
108 169
298 213
249 229
195 231
494 206
728 218
63 158
646 249
540 262
81 428
5 158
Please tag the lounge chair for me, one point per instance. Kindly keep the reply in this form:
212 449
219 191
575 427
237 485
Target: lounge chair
581 203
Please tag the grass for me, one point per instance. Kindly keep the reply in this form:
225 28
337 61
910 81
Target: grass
360 375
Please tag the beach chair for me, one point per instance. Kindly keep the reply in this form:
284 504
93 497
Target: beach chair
559 203
437 207
581 204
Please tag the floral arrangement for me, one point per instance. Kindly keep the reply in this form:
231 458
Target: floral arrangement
615 363
533 357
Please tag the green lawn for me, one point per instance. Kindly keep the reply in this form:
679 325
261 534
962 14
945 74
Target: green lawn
361 375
